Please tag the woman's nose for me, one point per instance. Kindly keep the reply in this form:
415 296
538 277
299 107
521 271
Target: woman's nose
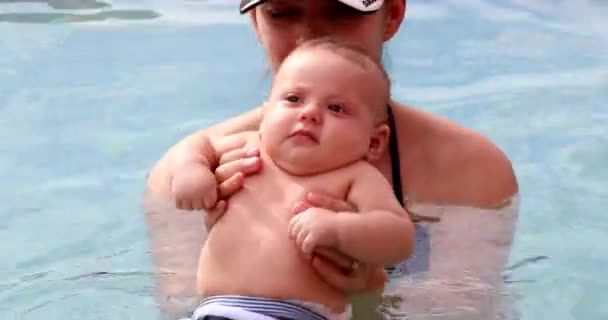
311 29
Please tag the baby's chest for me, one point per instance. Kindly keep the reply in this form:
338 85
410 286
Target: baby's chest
281 188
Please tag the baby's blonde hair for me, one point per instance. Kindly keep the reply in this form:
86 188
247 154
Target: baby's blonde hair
355 54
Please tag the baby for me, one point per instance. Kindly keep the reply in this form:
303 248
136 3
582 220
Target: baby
325 116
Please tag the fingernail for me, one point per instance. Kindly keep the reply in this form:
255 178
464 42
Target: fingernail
252 151
297 206
313 197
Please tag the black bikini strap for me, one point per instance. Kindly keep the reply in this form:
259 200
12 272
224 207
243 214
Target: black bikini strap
394 153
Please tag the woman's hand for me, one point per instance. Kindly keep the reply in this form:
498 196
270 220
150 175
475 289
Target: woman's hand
233 167
333 266
336 269
230 175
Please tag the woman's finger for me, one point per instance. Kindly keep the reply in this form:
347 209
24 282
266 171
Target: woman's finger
220 207
245 166
238 154
213 215
321 200
230 186
354 283
300 207
377 279
339 259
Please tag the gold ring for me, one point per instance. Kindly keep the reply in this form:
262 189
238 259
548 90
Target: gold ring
354 266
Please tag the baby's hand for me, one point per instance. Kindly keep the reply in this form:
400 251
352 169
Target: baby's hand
313 228
194 187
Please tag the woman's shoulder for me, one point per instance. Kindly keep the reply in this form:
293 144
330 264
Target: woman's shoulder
465 167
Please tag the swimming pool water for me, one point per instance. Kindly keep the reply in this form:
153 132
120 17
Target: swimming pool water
92 93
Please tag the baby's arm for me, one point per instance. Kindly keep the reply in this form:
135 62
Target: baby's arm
381 233
193 183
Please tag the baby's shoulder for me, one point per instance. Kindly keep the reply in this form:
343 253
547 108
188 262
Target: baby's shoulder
358 169
363 167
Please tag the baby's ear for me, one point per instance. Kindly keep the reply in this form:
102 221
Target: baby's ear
378 142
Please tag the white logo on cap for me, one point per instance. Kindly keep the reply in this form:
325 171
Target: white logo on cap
368 3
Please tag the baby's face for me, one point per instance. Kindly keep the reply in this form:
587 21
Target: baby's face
321 112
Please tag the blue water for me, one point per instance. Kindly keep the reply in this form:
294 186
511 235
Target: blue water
90 98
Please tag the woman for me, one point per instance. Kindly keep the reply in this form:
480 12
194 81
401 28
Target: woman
431 160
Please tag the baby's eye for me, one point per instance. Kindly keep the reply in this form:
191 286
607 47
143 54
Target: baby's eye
335 108
292 98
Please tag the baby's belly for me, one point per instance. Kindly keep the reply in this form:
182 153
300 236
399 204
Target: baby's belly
251 254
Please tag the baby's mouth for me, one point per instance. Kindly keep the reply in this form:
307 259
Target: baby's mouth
306 134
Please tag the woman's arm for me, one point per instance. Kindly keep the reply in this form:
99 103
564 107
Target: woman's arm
468 251
176 238
467 254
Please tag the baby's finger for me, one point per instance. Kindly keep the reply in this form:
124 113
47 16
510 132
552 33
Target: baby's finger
197 204
294 227
290 227
209 200
301 236
188 206
184 205
308 244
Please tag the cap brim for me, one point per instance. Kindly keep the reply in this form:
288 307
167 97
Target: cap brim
365 6
247 5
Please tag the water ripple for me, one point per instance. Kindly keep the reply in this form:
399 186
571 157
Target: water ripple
65 4
74 5
73 17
